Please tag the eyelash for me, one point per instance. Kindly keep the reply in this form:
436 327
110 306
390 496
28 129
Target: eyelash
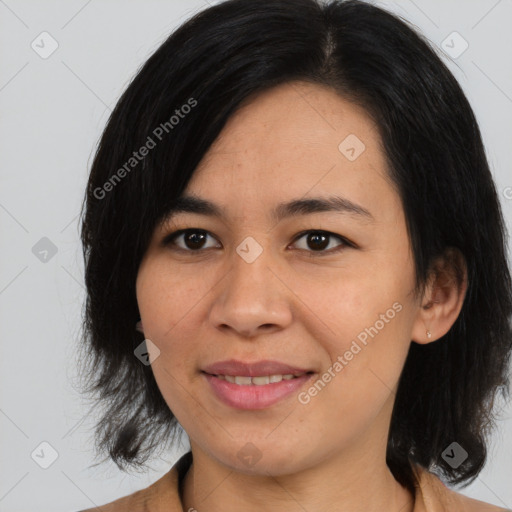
170 240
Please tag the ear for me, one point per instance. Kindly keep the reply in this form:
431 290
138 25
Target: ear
443 297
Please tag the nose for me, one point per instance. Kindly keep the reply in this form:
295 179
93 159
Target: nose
252 298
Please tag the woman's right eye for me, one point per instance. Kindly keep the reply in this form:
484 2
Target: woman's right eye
192 240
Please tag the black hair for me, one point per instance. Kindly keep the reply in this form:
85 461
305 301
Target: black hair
184 94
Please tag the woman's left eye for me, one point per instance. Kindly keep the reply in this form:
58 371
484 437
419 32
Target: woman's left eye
317 242
321 240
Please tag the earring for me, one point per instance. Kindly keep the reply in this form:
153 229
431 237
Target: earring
429 334
138 326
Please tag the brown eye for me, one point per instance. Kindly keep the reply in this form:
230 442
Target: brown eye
192 239
318 241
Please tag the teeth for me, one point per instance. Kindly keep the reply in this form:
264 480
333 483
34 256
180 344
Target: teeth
242 380
257 381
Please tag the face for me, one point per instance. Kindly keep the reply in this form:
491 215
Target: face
325 290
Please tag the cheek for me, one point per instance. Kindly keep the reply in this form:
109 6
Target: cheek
369 317
171 303
350 302
169 300
366 357
166 302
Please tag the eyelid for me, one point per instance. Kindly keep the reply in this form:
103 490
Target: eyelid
331 234
169 240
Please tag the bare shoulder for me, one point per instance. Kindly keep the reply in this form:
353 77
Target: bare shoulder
466 504
136 501
433 496
472 505
160 496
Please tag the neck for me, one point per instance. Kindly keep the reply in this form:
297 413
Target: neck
340 484
350 476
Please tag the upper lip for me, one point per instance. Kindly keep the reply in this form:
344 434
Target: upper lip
257 369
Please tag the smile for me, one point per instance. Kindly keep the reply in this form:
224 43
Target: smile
256 381
255 392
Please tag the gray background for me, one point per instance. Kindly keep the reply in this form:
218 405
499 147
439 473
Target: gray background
52 111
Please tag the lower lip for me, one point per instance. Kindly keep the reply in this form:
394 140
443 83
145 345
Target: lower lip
254 397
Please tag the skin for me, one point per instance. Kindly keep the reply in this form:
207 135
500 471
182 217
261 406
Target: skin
291 304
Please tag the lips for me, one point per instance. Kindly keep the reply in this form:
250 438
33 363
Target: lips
256 369
254 397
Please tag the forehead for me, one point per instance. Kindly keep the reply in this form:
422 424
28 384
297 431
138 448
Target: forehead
296 125
291 141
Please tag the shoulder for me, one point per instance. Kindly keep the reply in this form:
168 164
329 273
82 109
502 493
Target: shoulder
161 496
432 495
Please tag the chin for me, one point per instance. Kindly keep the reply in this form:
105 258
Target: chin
251 460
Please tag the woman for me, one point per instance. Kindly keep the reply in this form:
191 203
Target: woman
292 205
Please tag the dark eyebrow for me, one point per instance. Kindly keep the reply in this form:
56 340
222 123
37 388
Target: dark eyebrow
200 206
317 205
